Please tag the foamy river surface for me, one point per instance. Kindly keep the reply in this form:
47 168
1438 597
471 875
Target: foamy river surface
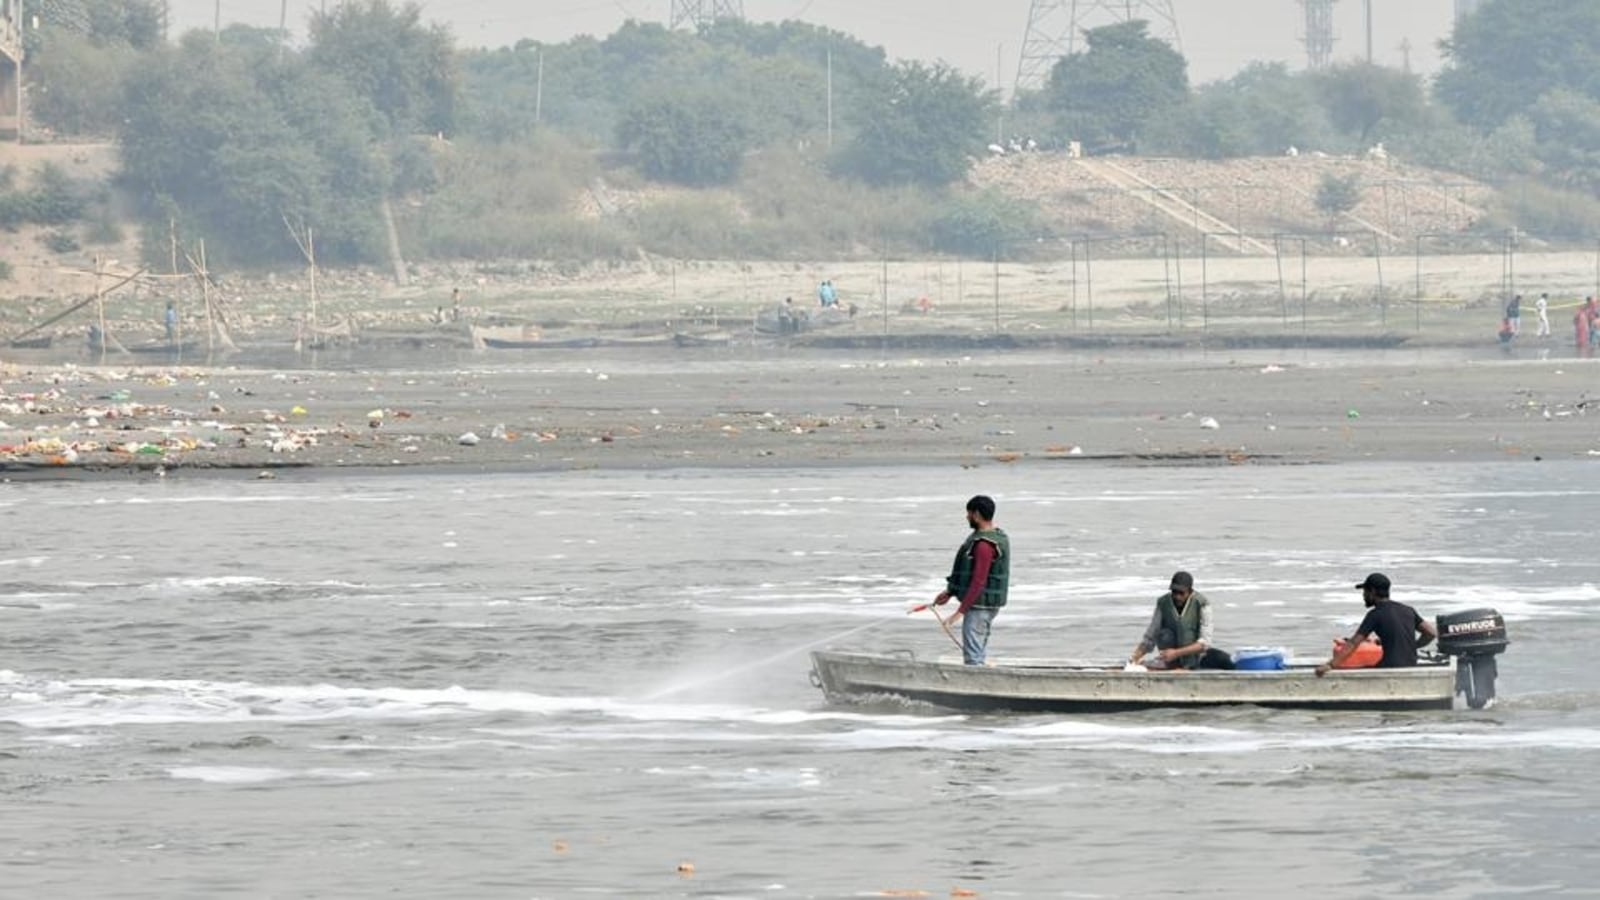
570 685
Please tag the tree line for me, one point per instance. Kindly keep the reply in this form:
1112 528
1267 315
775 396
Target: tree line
230 134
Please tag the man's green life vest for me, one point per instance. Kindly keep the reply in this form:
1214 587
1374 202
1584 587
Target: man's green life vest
994 590
1185 625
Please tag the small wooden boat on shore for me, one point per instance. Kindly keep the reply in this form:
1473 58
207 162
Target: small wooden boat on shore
148 348
702 339
1037 685
532 337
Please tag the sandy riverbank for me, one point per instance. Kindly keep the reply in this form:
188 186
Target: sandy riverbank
752 407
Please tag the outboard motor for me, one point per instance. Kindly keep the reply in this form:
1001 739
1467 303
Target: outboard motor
1475 637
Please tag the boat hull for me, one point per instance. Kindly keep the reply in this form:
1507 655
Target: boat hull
1062 686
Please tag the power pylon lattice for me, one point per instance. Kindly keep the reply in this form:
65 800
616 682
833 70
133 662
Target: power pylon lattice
699 13
1056 27
1319 33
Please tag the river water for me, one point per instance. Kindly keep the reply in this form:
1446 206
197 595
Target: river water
570 685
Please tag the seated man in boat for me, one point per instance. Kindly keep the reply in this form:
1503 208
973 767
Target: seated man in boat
1180 630
1396 625
979 577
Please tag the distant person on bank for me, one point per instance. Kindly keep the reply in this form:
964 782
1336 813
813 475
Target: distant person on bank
978 578
1180 630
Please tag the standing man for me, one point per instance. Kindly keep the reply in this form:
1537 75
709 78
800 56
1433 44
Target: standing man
979 578
1181 629
170 319
1543 307
1514 315
1395 624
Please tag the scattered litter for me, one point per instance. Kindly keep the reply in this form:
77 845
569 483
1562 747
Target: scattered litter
469 440
1271 370
1352 414
1209 424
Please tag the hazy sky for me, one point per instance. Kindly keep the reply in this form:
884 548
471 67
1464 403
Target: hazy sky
1219 36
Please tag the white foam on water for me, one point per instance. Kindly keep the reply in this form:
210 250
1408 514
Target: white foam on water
782 512
207 499
31 562
229 774
113 702
67 739
261 775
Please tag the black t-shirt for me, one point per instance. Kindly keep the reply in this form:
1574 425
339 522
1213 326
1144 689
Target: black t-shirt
1396 626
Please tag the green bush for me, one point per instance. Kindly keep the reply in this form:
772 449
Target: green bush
1337 195
60 242
984 224
103 229
1546 211
690 225
794 210
696 140
54 199
519 198
77 84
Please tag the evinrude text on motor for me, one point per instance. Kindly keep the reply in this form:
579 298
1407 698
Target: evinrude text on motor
1474 637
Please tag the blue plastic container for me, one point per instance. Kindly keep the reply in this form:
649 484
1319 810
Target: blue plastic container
1259 659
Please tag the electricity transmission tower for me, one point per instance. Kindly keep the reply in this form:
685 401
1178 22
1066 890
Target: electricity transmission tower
698 13
1055 29
1319 32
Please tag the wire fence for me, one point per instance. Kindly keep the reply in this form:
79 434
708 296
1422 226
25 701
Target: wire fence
1161 282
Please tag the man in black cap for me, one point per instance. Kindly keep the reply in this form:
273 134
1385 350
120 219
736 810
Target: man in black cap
1181 629
980 578
1395 624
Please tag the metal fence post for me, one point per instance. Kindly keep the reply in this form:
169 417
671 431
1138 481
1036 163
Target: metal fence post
997 287
1073 246
1166 268
1417 300
1304 293
1383 298
1177 255
1088 279
1283 299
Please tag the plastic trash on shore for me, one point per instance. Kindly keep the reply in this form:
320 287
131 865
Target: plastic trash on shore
469 440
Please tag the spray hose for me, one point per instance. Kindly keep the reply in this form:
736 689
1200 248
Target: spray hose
944 624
